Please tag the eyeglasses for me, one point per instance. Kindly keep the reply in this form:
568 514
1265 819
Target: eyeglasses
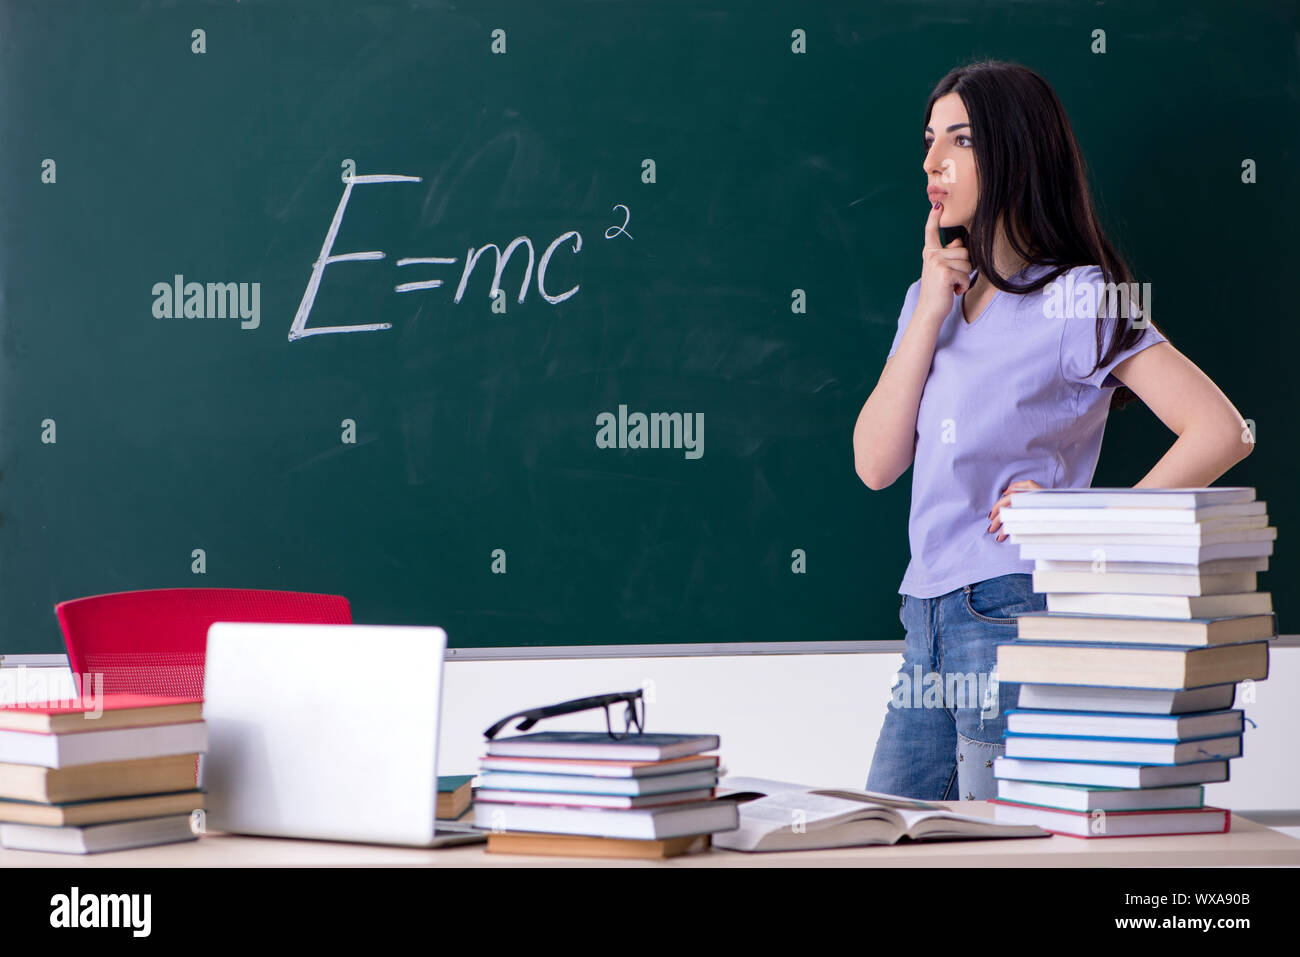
631 716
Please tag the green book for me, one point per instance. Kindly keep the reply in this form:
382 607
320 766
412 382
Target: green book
454 796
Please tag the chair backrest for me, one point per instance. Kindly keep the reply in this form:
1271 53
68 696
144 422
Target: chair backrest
154 641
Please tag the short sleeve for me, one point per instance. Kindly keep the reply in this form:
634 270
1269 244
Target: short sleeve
905 316
1083 297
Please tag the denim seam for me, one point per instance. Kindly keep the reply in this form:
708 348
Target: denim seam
987 744
933 642
943 683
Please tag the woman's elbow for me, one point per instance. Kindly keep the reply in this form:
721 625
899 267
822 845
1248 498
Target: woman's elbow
872 478
1240 441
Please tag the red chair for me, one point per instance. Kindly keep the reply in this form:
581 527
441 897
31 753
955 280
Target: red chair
154 641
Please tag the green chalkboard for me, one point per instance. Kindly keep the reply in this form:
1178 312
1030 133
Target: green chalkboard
680 170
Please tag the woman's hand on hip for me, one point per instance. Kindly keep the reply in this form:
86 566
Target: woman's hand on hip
1024 485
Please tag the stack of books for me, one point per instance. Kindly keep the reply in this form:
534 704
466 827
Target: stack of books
455 798
84 775
586 794
1128 679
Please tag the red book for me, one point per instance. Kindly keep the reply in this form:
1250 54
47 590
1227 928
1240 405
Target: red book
98 713
1098 823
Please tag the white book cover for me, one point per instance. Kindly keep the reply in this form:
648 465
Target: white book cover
1133 497
653 823
1125 700
1182 607
1177 554
1104 564
1165 517
94 747
1107 534
1058 583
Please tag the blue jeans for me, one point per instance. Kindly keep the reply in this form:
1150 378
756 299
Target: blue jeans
944 724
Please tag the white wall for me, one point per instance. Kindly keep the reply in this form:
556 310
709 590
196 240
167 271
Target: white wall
807 718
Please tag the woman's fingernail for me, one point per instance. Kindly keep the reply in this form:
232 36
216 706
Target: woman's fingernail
936 205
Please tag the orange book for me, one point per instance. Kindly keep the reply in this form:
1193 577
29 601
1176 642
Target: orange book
580 845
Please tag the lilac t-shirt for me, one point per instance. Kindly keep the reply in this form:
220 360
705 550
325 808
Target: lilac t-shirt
1007 398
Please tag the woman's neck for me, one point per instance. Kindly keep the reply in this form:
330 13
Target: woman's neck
1005 262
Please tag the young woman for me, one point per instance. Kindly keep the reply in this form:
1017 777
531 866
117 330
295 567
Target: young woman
999 380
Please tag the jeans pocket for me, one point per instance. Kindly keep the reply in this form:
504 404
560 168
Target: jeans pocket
998 601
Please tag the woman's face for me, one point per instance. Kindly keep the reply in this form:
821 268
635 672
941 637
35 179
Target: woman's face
950 161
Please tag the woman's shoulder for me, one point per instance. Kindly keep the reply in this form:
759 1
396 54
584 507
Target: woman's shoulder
1062 283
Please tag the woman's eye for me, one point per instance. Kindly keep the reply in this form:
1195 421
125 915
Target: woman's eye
925 147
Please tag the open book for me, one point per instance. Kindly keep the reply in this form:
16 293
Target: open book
777 816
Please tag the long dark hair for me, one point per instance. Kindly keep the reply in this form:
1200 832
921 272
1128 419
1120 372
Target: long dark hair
1033 176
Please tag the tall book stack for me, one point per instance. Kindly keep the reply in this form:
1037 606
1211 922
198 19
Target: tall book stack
84 776
583 793
1128 679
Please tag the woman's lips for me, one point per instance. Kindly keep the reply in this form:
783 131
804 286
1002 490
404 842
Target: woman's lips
935 192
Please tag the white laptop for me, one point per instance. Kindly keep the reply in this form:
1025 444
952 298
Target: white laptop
327 732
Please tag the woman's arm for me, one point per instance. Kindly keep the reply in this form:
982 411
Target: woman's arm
884 438
1212 435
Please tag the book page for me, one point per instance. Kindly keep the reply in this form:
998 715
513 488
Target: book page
879 799
962 825
734 783
769 787
779 810
911 817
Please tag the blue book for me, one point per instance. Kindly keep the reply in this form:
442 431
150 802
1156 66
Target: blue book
1081 797
1092 774
1209 724
598 744
1120 750
582 784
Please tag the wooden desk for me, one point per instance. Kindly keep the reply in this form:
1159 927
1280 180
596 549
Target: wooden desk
1246 844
